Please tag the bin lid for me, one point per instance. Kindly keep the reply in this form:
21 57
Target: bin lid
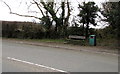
92 35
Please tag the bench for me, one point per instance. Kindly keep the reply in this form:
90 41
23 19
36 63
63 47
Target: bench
76 37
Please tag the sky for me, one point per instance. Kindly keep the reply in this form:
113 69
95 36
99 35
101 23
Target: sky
20 6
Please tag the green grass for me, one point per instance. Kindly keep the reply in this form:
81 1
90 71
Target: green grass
64 41
40 40
78 42
111 43
48 40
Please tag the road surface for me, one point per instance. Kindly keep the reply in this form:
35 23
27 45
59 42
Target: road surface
53 58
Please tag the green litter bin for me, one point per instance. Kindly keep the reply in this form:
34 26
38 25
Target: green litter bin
92 40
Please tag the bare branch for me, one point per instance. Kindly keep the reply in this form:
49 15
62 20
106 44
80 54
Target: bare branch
39 7
68 15
19 14
20 3
33 12
57 10
7 5
25 15
30 5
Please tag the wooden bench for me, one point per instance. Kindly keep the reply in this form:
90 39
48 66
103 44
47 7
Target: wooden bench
76 37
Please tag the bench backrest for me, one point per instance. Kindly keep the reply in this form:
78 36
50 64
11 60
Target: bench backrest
76 37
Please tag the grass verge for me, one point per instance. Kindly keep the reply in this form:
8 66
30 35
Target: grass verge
109 43
40 40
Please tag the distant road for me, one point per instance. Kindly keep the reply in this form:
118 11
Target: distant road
60 59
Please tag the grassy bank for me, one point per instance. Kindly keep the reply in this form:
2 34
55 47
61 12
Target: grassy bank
40 40
109 43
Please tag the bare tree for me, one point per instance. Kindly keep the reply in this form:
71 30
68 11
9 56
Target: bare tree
11 12
52 13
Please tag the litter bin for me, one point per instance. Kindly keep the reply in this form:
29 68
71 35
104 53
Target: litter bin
92 40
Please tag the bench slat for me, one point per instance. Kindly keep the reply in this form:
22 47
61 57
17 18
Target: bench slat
76 37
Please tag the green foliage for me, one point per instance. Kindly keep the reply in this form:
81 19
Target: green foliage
107 37
88 13
9 30
23 31
106 33
112 13
75 31
32 31
61 21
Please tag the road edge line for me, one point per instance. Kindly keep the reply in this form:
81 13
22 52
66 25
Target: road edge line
39 65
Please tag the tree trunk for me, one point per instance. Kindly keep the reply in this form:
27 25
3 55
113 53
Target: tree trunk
83 30
87 29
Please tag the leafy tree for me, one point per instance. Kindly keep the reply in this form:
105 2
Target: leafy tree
62 21
109 11
112 13
88 13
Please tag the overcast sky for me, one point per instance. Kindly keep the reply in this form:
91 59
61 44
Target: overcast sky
20 6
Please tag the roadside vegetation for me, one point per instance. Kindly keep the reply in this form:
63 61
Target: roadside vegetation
47 32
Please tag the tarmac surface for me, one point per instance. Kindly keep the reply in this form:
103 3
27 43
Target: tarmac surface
57 58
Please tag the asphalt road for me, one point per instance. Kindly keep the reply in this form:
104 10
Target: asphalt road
66 60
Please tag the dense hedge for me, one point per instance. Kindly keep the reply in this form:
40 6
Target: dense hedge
23 31
35 31
27 30
38 31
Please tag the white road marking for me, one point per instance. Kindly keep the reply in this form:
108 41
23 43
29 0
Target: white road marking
14 59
